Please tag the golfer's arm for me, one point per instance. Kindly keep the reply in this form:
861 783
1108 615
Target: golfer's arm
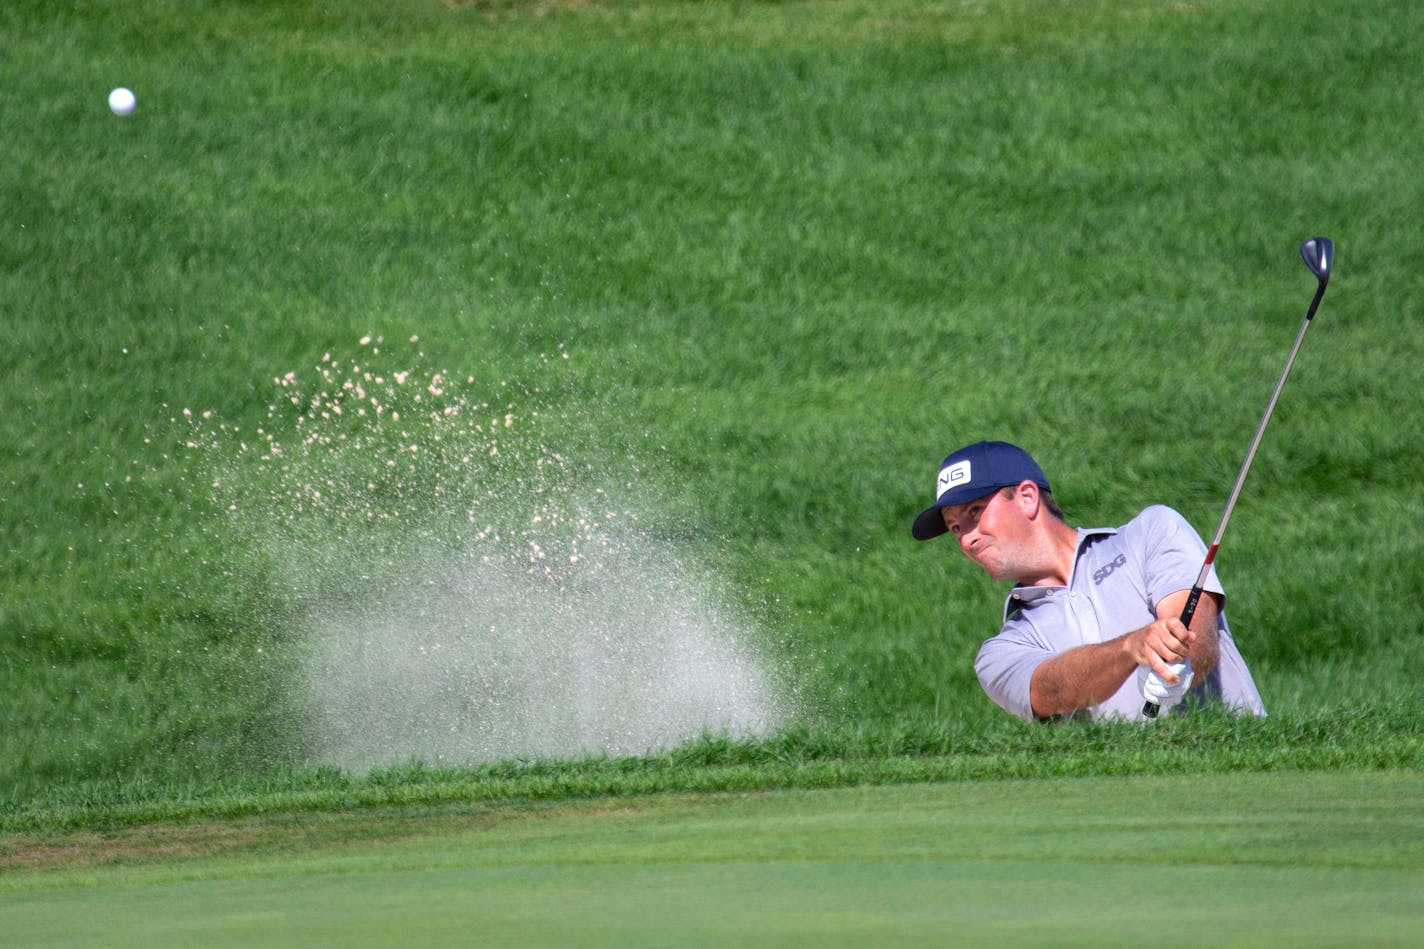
1087 675
1080 677
1204 652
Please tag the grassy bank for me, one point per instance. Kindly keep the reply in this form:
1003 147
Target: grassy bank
735 274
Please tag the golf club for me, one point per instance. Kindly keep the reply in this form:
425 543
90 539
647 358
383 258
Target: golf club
1319 255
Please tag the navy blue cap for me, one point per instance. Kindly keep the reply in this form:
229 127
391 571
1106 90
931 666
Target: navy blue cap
972 472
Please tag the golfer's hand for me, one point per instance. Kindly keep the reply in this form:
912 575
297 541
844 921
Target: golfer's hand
1161 645
1163 671
1161 693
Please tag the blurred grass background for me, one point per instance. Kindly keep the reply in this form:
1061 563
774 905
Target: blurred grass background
795 253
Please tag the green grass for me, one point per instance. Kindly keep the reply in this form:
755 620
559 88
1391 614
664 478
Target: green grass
1278 859
793 253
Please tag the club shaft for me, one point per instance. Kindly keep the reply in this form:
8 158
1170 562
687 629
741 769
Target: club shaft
1251 454
1150 709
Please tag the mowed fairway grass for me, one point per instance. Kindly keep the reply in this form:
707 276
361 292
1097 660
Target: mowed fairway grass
336 380
1285 859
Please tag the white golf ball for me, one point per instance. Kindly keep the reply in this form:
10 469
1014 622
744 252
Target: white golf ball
122 101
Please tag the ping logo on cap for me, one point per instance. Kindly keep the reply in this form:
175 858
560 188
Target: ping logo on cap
952 475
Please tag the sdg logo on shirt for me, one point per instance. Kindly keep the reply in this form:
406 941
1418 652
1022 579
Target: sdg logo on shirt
1106 569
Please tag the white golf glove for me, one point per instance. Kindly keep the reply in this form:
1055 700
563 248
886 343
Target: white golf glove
1159 692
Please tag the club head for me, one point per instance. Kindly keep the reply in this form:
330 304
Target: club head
1319 254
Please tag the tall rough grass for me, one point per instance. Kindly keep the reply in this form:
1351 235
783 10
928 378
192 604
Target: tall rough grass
763 262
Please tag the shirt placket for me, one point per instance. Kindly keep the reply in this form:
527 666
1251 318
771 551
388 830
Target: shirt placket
1079 605
1085 616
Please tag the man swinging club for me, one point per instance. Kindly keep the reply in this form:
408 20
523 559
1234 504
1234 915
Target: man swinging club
1093 610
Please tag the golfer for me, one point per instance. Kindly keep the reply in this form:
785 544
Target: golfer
1093 610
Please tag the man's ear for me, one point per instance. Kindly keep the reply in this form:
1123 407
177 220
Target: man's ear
1027 496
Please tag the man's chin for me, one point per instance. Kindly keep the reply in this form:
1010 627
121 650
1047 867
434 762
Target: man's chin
995 571
1000 571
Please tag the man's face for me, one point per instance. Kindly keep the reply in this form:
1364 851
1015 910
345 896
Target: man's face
993 531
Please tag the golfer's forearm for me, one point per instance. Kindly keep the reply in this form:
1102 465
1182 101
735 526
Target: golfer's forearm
1204 652
1080 677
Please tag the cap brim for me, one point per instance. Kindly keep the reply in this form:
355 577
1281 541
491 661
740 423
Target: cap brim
929 524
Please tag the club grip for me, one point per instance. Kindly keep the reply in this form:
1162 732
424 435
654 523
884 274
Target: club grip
1190 609
1150 709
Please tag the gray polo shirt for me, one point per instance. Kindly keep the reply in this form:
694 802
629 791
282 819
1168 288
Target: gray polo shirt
1119 576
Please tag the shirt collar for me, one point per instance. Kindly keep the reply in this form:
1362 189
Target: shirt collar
1021 597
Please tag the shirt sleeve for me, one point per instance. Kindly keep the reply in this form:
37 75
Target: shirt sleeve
1005 666
1174 554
